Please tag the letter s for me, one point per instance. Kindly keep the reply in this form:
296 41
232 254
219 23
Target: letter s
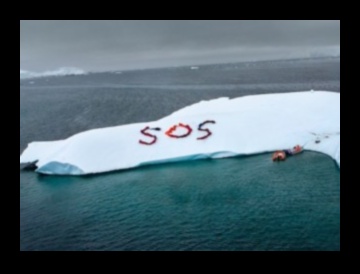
144 132
209 133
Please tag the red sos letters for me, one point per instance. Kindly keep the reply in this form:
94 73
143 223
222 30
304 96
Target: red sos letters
171 132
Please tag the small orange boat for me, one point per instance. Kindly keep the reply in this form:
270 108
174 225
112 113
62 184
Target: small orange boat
279 156
297 149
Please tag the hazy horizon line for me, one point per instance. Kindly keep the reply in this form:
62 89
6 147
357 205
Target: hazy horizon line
80 71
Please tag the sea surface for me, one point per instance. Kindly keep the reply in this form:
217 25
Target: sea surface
241 203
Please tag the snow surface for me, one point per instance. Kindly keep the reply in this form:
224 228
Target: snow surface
244 126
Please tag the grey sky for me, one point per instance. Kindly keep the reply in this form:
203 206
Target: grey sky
119 45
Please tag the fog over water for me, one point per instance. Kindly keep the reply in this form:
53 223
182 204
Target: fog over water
134 44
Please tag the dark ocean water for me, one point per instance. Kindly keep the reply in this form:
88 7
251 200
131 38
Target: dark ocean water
243 203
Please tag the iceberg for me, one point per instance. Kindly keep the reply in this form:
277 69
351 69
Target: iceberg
217 128
66 71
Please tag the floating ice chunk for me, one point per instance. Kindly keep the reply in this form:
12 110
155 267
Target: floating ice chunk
59 72
244 126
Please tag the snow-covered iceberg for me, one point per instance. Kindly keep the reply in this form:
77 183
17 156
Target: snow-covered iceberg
66 71
209 129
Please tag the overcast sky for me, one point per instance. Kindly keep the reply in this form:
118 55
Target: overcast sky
120 45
